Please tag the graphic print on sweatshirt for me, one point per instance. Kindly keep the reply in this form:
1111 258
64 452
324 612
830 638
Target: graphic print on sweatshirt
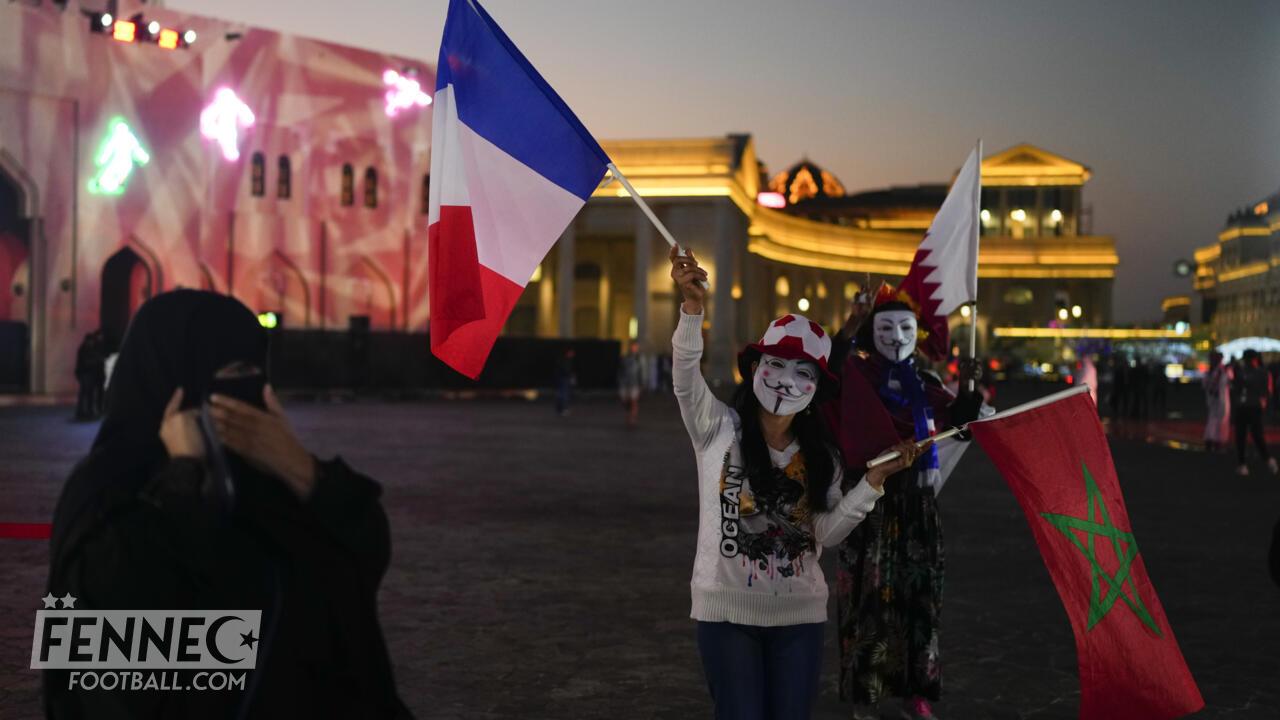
769 528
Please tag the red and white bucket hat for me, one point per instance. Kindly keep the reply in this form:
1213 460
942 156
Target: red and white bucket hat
793 337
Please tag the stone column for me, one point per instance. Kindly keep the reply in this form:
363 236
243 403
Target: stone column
721 353
564 280
643 259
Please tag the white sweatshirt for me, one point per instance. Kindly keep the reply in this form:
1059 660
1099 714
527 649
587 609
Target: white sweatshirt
757 558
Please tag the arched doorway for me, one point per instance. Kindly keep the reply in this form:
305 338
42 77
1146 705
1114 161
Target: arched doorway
15 286
283 289
126 284
373 295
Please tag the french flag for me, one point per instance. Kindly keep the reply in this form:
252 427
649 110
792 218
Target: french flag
510 168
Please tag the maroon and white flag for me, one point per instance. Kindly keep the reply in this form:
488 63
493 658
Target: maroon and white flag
944 273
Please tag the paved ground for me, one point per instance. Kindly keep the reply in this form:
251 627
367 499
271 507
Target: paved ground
541 565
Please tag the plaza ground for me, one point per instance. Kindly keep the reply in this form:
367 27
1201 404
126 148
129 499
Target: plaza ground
541 564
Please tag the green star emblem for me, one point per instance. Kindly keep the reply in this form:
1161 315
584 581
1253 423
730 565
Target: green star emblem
1119 586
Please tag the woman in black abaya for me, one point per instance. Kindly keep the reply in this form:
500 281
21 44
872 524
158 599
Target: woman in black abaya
145 523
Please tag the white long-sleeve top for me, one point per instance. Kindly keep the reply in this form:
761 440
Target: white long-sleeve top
757 557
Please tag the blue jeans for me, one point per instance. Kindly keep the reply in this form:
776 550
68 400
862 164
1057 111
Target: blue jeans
761 673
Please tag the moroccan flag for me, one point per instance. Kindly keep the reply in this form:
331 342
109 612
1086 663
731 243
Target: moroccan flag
1056 460
510 167
944 272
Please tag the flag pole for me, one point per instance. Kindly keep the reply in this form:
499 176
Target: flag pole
977 230
951 432
648 212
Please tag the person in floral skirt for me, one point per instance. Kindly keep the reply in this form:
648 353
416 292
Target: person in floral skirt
890 571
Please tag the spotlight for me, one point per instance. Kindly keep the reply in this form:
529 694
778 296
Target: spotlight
106 20
153 27
189 37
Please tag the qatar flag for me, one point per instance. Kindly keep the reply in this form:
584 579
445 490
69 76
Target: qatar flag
944 273
510 167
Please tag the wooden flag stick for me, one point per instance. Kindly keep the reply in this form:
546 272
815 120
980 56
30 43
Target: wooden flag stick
648 212
951 432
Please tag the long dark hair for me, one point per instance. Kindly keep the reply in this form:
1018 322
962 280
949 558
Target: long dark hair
820 450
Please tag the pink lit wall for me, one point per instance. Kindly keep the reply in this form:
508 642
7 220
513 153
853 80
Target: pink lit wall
189 214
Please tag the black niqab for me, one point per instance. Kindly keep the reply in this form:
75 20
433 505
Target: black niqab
177 339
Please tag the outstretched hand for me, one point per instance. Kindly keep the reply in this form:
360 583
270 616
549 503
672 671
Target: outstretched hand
908 452
689 278
265 439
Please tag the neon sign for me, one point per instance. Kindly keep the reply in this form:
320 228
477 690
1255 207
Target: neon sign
222 120
405 93
116 156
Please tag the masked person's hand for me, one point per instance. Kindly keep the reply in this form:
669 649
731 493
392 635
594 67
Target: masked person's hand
265 439
689 278
908 453
180 430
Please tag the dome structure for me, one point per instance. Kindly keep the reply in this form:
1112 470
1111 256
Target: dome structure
805 180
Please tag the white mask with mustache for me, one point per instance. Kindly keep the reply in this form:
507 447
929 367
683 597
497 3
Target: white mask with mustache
895 333
784 387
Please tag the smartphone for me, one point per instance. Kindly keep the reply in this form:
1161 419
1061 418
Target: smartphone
222 489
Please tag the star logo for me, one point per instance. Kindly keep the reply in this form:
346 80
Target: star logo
1118 585
68 601
50 602
248 639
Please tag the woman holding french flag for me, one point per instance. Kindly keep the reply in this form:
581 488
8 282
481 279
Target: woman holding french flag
771 497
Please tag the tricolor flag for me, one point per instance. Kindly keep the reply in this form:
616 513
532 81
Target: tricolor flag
1055 459
510 168
944 273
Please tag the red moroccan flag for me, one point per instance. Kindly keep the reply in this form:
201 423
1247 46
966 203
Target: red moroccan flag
1056 460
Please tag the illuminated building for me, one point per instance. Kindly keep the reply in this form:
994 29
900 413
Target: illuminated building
765 262
1237 278
110 192
304 194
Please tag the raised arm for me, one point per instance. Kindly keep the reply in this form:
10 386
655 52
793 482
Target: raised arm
700 409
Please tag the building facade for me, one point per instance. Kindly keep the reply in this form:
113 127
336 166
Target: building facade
811 256
1237 278
152 150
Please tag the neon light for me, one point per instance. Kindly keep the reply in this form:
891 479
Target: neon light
773 200
116 156
222 119
405 93
124 31
169 39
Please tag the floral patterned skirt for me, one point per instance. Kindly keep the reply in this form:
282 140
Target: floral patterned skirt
889 600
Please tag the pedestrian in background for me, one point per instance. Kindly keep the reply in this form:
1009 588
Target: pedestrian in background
631 375
1217 396
564 380
1250 389
90 376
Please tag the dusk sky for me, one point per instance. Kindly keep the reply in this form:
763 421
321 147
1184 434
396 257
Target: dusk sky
1174 105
